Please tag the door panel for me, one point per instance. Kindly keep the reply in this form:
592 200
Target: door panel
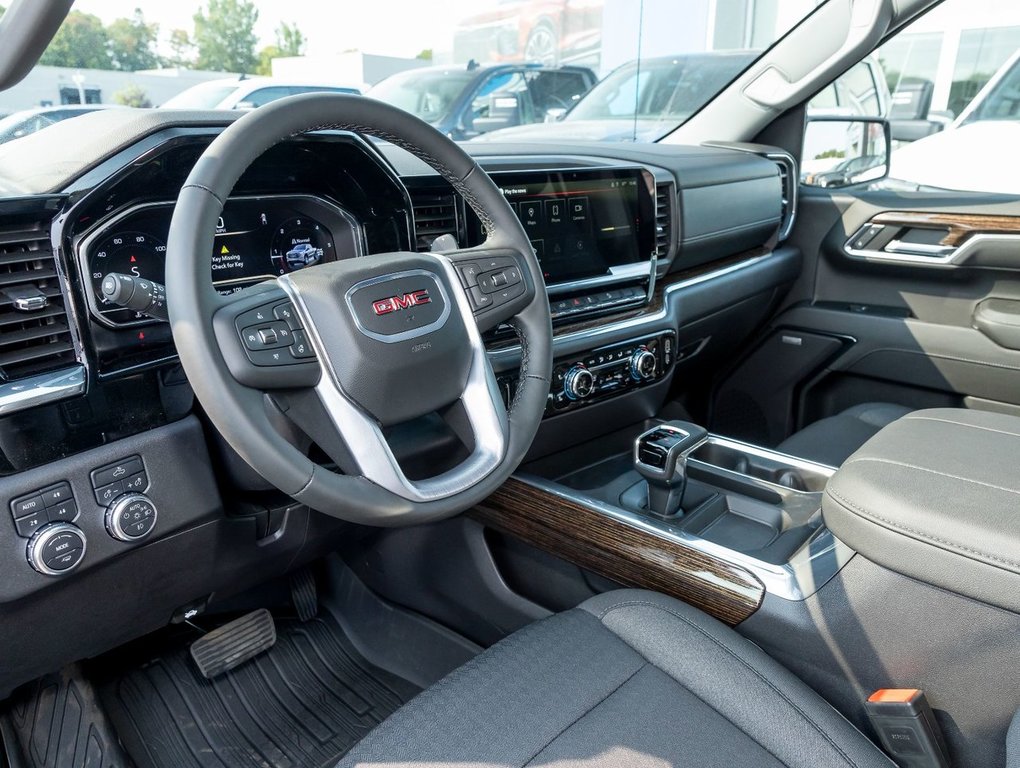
932 320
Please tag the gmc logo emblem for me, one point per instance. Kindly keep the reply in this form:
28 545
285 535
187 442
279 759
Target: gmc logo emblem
398 303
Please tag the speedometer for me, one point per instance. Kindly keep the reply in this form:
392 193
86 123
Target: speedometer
131 253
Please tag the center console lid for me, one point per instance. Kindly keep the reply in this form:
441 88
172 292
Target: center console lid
936 496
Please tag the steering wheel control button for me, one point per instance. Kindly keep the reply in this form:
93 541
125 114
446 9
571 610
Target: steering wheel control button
287 314
56 549
469 272
480 301
267 336
118 471
132 517
300 348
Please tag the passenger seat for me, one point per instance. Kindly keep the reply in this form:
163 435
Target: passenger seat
832 440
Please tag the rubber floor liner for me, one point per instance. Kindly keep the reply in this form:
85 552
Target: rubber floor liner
305 702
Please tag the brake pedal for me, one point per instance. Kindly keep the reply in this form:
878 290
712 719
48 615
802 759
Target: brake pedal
231 645
304 594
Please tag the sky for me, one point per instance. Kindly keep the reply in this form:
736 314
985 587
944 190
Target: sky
330 26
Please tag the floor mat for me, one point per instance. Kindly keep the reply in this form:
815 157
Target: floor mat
305 702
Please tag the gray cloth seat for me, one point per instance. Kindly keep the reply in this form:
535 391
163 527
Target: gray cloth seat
831 440
628 679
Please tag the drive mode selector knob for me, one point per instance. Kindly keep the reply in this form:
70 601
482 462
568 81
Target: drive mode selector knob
56 549
131 517
578 383
642 365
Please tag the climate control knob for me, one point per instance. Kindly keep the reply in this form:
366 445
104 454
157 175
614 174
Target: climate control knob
56 549
642 365
131 517
578 383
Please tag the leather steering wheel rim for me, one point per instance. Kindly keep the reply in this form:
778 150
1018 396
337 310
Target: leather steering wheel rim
240 411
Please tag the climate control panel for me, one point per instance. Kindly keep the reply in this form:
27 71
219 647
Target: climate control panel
603 373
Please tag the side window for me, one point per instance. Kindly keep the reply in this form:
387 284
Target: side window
556 90
262 96
949 85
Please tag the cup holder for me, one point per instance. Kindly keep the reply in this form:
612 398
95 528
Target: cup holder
719 455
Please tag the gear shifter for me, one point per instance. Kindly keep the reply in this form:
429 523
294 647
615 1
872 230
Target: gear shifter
660 457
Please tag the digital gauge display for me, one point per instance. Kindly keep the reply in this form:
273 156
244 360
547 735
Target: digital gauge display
256 239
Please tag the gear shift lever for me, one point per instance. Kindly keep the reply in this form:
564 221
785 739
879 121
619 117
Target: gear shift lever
660 457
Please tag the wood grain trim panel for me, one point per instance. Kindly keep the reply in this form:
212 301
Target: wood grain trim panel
960 225
621 552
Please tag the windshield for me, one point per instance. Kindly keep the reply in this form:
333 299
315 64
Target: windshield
429 95
670 89
625 70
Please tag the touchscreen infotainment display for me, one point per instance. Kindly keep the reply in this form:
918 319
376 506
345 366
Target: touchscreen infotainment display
581 223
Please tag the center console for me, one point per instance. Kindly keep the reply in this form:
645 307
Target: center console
668 506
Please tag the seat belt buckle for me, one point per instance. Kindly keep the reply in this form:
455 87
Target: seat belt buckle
907 728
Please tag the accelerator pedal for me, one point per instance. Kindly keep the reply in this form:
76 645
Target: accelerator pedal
304 594
231 645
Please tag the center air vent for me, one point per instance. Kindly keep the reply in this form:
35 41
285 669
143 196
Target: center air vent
35 336
665 199
435 214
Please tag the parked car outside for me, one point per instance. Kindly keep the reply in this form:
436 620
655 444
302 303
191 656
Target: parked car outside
639 101
470 101
967 155
246 93
642 100
547 31
28 121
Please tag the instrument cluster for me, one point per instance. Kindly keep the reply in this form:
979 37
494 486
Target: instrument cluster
257 238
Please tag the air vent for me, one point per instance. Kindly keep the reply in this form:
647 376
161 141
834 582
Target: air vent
35 336
665 199
435 214
788 179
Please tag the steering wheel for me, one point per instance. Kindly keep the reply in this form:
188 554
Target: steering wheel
350 349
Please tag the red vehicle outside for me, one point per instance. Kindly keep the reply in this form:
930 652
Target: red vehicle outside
545 31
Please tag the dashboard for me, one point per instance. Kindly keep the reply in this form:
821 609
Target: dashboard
658 261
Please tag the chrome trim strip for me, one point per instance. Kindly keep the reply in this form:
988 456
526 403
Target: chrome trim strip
808 569
41 389
592 335
414 333
623 273
481 400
